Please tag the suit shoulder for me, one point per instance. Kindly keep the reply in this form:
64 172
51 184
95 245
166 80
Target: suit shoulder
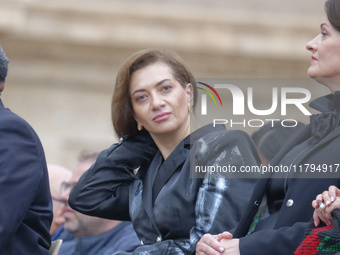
12 122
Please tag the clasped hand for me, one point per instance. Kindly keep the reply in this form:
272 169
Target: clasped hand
223 243
324 204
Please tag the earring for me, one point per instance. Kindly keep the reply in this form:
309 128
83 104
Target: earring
139 126
189 108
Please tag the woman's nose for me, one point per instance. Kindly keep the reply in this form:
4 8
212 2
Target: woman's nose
157 102
312 45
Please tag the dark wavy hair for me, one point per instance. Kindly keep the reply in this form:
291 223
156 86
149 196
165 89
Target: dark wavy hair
122 113
332 9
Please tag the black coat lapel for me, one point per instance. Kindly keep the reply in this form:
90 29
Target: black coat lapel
250 212
173 162
147 188
297 138
262 184
319 144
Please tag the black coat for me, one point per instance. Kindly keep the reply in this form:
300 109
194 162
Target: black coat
169 210
26 205
283 230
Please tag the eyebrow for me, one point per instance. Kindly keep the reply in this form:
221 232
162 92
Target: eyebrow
157 84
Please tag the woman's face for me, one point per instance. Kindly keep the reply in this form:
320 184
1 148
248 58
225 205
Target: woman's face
159 101
325 61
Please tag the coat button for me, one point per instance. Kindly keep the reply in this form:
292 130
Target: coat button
141 242
159 238
256 203
290 203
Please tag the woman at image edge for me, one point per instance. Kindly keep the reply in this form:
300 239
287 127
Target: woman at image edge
316 144
152 108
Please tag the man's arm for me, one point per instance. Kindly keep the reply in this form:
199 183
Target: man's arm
21 169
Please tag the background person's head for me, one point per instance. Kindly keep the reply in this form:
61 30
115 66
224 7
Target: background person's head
57 175
3 69
76 223
123 114
325 48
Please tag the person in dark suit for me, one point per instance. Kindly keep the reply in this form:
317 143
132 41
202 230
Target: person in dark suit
316 145
152 109
26 205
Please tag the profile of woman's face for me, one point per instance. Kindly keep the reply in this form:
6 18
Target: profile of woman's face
325 60
159 101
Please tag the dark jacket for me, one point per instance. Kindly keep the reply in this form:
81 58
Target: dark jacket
26 205
283 230
120 238
169 210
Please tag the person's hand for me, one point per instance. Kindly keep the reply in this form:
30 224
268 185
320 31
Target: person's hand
210 244
231 246
324 204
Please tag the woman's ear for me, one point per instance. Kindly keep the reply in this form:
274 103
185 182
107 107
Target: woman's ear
189 92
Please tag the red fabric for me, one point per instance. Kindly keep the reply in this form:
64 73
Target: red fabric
310 244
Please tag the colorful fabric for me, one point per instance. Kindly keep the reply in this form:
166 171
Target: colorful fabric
322 240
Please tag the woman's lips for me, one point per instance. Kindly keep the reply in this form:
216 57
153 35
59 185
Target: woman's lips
313 59
161 117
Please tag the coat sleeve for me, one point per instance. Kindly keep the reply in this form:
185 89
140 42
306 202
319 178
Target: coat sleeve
278 241
220 201
21 169
291 224
103 190
223 197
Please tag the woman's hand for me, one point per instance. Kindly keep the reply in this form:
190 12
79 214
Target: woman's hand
210 244
324 204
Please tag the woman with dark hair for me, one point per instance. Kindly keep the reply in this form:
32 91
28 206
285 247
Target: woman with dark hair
315 145
146 177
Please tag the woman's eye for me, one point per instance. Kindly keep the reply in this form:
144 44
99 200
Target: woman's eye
166 88
140 98
323 33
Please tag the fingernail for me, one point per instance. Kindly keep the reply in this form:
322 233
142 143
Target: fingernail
332 199
221 249
315 224
327 203
329 223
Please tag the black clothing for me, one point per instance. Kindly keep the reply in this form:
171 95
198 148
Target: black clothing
170 219
289 199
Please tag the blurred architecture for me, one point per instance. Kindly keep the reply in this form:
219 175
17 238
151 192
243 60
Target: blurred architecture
64 55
